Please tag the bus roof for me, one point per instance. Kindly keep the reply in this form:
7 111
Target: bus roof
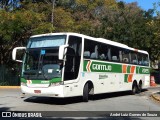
95 39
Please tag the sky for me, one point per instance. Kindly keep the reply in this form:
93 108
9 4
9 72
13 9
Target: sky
144 4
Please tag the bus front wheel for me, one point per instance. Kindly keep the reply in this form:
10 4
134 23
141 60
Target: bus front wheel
85 93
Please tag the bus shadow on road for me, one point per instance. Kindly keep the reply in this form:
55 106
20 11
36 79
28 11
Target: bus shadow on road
114 95
73 100
54 101
4 109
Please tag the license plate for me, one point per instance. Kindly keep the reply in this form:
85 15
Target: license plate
37 91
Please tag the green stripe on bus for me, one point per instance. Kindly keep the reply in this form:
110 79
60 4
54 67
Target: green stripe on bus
23 80
95 66
128 69
84 65
54 80
144 70
126 78
137 69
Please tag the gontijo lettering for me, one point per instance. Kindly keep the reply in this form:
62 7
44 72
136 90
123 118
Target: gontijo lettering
101 67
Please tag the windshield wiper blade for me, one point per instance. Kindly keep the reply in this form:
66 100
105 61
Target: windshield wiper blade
30 72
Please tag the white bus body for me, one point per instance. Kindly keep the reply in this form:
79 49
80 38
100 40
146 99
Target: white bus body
71 64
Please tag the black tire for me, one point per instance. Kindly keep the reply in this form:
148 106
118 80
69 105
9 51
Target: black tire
139 87
134 89
85 93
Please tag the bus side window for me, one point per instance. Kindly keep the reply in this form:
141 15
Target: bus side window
125 60
109 54
114 58
102 50
102 57
120 56
94 54
145 60
125 56
96 51
73 57
90 49
115 53
134 58
140 60
87 54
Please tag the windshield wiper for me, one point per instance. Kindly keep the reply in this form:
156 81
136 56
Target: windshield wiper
30 72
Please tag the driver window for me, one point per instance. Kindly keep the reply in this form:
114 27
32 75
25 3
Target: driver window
73 57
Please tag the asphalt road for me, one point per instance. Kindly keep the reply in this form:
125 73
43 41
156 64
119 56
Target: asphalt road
10 100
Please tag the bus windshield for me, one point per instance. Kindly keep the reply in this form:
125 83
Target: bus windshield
42 64
41 58
46 41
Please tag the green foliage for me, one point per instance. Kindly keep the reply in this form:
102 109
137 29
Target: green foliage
63 20
18 25
4 83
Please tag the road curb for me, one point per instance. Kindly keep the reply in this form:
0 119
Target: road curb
156 97
9 87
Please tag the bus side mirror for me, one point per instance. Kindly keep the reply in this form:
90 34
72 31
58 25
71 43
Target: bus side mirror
62 51
14 52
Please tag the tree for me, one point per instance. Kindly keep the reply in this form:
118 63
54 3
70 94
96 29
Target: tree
125 24
15 30
63 21
9 4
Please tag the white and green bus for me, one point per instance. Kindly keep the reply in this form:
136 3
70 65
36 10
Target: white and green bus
72 64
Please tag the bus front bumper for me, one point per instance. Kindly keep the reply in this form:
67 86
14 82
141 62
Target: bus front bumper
55 91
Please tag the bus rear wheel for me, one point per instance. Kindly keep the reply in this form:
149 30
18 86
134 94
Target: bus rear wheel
85 93
134 88
140 87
